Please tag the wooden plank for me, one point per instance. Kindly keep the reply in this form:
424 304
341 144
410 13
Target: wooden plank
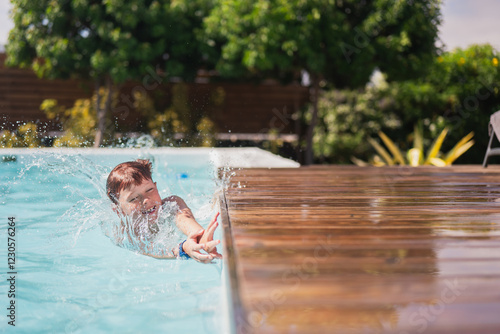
344 249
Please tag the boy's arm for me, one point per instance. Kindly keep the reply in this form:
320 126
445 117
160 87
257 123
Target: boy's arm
191 247
184 220
186 223
167 256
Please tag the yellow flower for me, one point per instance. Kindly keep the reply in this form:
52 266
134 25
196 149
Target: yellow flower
495 62
461 61
440 59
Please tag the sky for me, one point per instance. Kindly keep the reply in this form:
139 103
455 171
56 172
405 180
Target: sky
465 22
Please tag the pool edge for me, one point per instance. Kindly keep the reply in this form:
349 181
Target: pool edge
233 301
234 157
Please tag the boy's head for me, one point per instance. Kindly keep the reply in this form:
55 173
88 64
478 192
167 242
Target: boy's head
130 186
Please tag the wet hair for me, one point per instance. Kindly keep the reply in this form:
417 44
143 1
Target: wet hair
125 175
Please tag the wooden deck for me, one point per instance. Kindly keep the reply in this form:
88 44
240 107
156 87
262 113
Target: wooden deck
344 249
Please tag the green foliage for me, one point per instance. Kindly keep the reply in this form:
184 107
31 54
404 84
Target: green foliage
340 41
26 135
416 155
460 92
346 119
274 143
95 39
462 89
79 122
175 125
205 136
337 43
177 120
109 41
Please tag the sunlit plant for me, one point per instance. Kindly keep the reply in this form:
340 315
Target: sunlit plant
26 135
416 156
79 122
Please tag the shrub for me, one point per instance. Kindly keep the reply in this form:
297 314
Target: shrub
176 120
416 155
462 88
26 135
459 92
175 125
345 119
78 122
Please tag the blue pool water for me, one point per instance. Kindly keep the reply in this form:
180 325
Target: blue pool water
72 279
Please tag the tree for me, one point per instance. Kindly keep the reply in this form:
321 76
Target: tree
107 41
336 42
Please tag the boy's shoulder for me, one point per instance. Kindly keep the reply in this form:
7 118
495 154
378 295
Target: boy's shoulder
172 198
175 200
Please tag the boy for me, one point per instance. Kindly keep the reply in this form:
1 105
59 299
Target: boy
135 197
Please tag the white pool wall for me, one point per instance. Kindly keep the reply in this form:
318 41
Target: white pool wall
244 157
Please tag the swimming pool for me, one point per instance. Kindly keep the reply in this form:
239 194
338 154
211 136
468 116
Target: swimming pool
71 278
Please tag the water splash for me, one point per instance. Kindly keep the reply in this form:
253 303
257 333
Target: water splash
141 235
142 141
89 212
72 165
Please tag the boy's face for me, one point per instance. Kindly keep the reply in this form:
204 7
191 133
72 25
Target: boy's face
142 199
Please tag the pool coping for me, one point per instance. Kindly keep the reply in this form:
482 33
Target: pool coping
232 157
233 300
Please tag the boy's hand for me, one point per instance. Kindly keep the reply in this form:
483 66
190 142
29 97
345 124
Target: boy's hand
192 248
207 239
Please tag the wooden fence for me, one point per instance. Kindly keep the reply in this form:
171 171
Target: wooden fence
246 108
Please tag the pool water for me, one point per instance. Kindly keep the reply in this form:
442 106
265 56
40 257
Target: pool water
71 278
